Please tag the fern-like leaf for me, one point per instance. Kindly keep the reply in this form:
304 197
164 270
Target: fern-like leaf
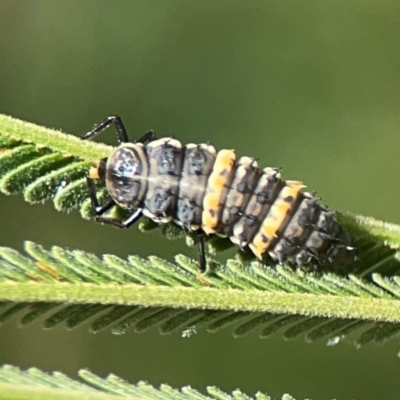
44 163
34 384
141 293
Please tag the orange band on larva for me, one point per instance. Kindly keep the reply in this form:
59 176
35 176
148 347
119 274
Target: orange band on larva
275 217
217 187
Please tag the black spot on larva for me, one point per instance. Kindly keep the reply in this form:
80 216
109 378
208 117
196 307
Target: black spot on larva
264 239
251 220
288 199
161 199
166 159
197 161
212 213
242 187
187 211
263 198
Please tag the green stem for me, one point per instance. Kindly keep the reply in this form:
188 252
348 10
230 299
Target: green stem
207 298
16 129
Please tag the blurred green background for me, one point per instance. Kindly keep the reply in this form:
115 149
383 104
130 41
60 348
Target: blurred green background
311 86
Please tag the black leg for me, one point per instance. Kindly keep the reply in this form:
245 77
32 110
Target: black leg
101 209
199 238
97 208
122 224
104 207
147 137
202 253
120 128
111 120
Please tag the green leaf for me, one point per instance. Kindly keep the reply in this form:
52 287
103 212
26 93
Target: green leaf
44 163
34 384
61 275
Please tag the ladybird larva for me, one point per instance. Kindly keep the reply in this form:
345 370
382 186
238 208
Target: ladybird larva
212 192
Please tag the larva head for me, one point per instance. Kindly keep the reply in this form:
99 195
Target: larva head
125 174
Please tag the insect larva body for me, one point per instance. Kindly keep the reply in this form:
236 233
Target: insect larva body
212 192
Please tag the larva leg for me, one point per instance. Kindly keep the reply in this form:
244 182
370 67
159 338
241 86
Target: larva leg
202 253
120 129
147 137
101 209
97 208
127 223
111 120
199 237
